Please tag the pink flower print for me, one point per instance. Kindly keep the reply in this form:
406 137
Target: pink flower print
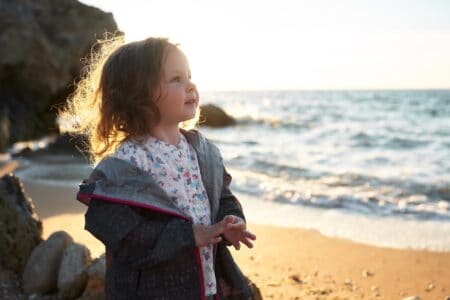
195 176
187 175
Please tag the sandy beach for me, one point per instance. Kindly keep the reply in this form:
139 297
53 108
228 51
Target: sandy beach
290 263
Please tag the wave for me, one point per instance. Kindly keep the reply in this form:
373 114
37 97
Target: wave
274 123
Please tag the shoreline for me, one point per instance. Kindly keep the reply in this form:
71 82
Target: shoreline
287 262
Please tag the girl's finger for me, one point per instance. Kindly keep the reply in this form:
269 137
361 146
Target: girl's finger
235 226
237 246
247 243
249 235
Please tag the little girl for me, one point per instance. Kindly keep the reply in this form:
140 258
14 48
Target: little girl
158 197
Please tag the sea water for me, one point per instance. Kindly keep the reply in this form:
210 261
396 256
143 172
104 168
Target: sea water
371 166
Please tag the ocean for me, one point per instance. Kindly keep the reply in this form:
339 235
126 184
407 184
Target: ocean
371 166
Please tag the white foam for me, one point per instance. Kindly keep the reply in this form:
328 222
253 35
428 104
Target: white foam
388 232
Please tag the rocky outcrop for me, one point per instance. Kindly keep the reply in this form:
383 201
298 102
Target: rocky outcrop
41 44
20 228
214 116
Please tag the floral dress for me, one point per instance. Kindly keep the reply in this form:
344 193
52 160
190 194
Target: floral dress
175 168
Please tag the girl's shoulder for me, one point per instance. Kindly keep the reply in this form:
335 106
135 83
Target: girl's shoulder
134 151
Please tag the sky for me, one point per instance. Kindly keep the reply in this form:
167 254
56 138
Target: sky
302 45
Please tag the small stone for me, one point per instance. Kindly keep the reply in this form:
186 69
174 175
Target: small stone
274 283
430 287
296 278
412 298
367 273
374 288
348 281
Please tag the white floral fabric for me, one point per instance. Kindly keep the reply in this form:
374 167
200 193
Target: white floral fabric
175 168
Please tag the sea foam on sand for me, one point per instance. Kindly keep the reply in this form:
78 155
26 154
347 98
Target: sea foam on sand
392 232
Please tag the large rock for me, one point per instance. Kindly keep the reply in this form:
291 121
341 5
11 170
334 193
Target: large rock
214 116
72 277
41 46
20 228
41 272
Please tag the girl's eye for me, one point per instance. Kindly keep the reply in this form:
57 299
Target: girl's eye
177 79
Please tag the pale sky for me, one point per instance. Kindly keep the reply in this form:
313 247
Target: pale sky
317 44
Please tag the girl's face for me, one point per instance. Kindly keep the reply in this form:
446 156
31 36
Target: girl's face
179 96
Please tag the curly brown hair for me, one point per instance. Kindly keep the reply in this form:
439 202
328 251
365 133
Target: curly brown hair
115 99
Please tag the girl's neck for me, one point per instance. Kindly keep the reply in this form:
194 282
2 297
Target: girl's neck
167 133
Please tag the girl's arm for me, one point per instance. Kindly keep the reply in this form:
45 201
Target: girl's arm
139 238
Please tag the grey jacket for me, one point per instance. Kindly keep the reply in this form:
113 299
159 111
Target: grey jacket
150 245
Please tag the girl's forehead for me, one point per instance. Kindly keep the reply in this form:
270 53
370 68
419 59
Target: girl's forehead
176 61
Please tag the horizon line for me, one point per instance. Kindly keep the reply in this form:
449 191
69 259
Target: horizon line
325 89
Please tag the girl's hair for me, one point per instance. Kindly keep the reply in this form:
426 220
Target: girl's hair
114 100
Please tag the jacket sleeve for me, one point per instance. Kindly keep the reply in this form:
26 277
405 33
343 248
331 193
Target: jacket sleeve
137 237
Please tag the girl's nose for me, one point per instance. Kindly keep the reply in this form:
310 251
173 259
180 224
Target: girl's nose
191 86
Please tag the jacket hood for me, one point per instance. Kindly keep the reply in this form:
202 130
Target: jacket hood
116 180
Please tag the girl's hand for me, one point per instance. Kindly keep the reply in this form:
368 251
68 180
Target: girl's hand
235 232
206 235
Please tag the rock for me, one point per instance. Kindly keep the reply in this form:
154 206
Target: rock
430 287
95 288
41 272
41 46
97 268
296 278
4 131
213 116
66 143
43 297
366 273
10 286
412 298
72 277
20 227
